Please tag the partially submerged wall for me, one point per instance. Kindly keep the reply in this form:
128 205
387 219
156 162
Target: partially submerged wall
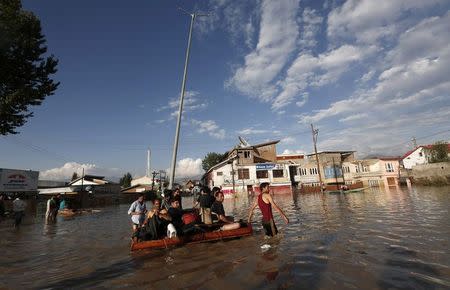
431 174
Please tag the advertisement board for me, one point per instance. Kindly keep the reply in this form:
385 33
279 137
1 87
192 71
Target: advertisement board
13 180
265 166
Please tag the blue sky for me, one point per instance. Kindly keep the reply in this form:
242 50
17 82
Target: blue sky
369 74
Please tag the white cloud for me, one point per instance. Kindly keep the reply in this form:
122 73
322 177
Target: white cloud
65 172
367 76
210 127
369 21
308 70
303 101
189 167
235 17
277 40
311 22
288 140
353 117
192 102
251 131
409 75
387 136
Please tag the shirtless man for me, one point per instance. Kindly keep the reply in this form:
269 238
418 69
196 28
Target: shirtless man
265 203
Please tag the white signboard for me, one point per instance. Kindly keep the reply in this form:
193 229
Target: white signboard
12 180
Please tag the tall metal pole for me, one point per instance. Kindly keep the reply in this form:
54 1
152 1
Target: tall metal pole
315 132
148 162
82 179
180 110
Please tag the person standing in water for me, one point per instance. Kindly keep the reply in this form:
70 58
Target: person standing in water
19 211
265 203
137 212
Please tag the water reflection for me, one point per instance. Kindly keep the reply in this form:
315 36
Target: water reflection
374 240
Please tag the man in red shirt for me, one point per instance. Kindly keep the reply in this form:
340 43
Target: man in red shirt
265 203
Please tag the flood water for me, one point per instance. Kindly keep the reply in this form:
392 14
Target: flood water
373 240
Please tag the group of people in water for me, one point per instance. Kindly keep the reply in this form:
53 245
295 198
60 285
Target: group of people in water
167 217
54 204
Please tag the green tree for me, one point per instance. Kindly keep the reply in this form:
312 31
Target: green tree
439 152
125 181
24 68
211 159
74 176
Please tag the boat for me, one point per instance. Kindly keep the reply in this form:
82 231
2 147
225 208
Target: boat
68 212
357 189
72 212
243 231
347 190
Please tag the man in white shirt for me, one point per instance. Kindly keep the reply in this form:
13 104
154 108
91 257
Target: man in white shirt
19 210
137 211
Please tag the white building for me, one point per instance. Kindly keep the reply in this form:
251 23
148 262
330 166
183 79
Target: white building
96 184
418 156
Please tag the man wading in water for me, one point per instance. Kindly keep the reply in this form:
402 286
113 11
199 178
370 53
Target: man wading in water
265 202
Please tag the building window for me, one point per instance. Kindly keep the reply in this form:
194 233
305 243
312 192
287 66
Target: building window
277 173
373 183
302 171
313 171
243 173
247 154
219 173
420 154
346 169
365 168
356 168
262 174
389 167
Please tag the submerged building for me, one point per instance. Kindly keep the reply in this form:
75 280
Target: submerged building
246 166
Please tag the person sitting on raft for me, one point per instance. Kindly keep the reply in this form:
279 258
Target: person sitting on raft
217 210
157 212
177 194
176 213
155 223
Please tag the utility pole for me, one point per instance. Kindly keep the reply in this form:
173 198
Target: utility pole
148 162
82 178
180 109
315 132
414 142
153 179
232 177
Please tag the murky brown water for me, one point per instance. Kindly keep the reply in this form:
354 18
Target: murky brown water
371 240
